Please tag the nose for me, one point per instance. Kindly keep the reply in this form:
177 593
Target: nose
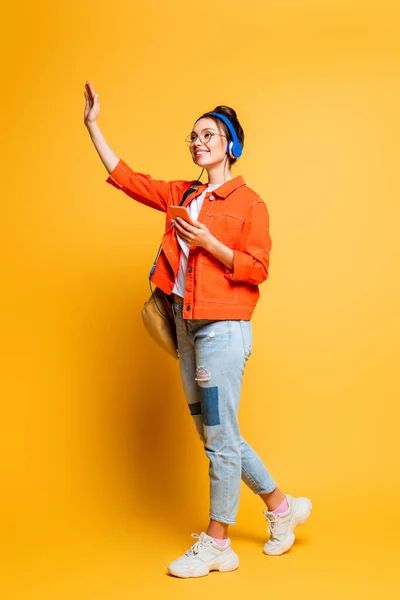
197 145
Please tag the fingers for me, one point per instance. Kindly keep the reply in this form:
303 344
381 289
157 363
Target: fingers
88 92
181 229
192 227
185 239
186 225
93 98
183 233
90 88
178 227
88 96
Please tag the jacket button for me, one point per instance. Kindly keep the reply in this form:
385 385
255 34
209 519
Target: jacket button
190 269
211 198
188 307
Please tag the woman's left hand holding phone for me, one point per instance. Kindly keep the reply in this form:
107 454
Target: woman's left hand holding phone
194 235
199 235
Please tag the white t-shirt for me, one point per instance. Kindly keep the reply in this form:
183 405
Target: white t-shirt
194 210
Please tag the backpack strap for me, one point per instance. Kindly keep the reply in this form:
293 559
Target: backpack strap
187 193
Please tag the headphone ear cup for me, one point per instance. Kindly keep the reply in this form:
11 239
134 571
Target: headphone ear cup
236 149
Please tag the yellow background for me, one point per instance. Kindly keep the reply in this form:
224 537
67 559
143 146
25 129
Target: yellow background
103 477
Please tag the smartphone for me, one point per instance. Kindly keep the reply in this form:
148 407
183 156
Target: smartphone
180 211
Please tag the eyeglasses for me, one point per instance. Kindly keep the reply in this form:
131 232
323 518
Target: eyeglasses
204 137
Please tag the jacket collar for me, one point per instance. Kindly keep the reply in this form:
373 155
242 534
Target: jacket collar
228 187
222 192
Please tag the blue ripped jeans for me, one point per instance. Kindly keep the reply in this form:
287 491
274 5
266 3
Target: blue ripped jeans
213 355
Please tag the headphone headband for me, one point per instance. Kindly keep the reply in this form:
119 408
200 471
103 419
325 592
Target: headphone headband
234 147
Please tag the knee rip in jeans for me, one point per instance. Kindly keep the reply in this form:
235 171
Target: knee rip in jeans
215 452
202 374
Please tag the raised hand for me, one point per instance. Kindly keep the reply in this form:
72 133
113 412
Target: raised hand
92 106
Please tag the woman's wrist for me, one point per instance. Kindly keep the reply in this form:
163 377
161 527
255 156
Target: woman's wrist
211 244
91 126
221 252
107 155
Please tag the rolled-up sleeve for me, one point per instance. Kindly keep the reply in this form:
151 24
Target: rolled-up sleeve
140 187
251 262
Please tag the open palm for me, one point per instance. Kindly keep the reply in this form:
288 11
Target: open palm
92 106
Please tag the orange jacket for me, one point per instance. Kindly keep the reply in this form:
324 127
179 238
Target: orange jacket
236 216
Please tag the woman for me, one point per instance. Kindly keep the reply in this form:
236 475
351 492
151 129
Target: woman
211 270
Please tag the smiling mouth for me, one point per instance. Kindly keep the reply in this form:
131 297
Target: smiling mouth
200 152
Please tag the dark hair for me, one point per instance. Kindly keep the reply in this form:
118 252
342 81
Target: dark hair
230 114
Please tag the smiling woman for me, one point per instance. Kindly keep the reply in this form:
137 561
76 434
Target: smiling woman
210 270
221 122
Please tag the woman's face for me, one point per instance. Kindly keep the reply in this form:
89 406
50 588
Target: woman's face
209 144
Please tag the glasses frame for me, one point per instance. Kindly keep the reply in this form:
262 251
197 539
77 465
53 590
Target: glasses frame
190 142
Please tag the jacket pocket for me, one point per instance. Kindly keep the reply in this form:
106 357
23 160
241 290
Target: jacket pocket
225 227
212 285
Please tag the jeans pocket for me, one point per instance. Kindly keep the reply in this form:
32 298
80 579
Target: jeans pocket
247 338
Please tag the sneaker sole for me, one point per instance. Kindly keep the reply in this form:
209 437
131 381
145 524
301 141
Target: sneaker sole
302 514
230 564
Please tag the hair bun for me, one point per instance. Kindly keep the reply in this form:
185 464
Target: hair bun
227 111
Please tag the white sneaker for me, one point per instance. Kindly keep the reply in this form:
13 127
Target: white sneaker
282 526
204 556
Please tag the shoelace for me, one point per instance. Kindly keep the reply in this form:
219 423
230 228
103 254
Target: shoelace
201 544
272 520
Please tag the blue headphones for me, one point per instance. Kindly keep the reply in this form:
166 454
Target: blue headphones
234 147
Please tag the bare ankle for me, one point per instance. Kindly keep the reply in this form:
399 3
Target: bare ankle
217 530
273 499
